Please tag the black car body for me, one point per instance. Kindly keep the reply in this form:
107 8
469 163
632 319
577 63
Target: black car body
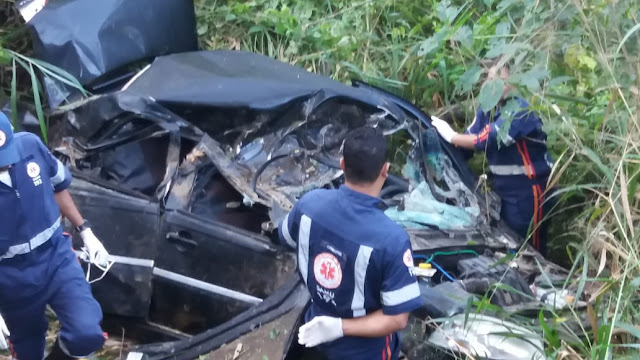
187 170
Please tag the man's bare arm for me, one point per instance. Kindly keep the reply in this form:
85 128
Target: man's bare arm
376 324
68 207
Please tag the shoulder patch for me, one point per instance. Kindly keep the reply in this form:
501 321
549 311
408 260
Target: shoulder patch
3 138
327 270
33 169
407 258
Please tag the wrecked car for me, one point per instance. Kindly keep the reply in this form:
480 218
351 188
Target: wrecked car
187 170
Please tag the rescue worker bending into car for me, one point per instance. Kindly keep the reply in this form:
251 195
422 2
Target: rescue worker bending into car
519 164
37 264
354 260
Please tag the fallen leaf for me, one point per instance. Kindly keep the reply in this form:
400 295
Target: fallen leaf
236 353
603 261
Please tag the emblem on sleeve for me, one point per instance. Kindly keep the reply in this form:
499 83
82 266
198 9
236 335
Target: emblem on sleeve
327 270
407 258
3 138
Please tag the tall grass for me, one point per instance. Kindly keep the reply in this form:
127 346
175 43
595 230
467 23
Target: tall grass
20 73
577 61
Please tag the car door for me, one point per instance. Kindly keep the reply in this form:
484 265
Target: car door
127 226
210 251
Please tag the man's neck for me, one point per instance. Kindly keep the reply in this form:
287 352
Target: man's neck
368 189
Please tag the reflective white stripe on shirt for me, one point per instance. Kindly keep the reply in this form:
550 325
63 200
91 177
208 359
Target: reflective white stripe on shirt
59 177
36 241
360 273
285 232
303 246
402 295
508 169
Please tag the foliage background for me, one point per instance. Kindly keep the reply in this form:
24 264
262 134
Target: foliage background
576 61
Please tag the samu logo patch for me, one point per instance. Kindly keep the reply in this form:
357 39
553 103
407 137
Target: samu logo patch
33 170
327 270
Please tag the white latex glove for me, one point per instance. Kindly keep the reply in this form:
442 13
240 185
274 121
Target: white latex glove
98 255
320 329
443 128
4 333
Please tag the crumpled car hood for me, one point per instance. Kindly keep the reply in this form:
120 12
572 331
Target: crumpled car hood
275 132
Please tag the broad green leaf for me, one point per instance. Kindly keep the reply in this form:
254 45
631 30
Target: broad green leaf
490 94
488 2
464 35
429 45
503 30
538 73
505 4
560 80
524 80
508 113
587 61
469 79
446 12
501 49
202 29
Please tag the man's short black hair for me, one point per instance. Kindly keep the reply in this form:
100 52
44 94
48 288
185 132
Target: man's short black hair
364 153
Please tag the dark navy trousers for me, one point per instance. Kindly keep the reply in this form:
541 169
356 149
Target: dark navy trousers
49 275
525 208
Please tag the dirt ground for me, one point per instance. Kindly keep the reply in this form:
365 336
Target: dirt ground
265 343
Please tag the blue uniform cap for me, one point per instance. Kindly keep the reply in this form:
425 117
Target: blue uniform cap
8 151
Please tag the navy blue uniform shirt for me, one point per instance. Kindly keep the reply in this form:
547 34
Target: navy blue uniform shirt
518 159
30 214
354 261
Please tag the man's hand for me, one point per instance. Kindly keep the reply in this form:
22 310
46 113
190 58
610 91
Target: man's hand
4 333
443 128
98 255
320 329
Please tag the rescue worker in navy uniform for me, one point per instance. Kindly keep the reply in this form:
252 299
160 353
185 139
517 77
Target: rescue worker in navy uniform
519 163
37 264
355 261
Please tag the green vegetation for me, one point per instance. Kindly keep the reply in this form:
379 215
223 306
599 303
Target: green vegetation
576 61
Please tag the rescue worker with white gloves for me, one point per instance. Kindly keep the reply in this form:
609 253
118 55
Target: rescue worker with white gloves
519 161
38 266
356 262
